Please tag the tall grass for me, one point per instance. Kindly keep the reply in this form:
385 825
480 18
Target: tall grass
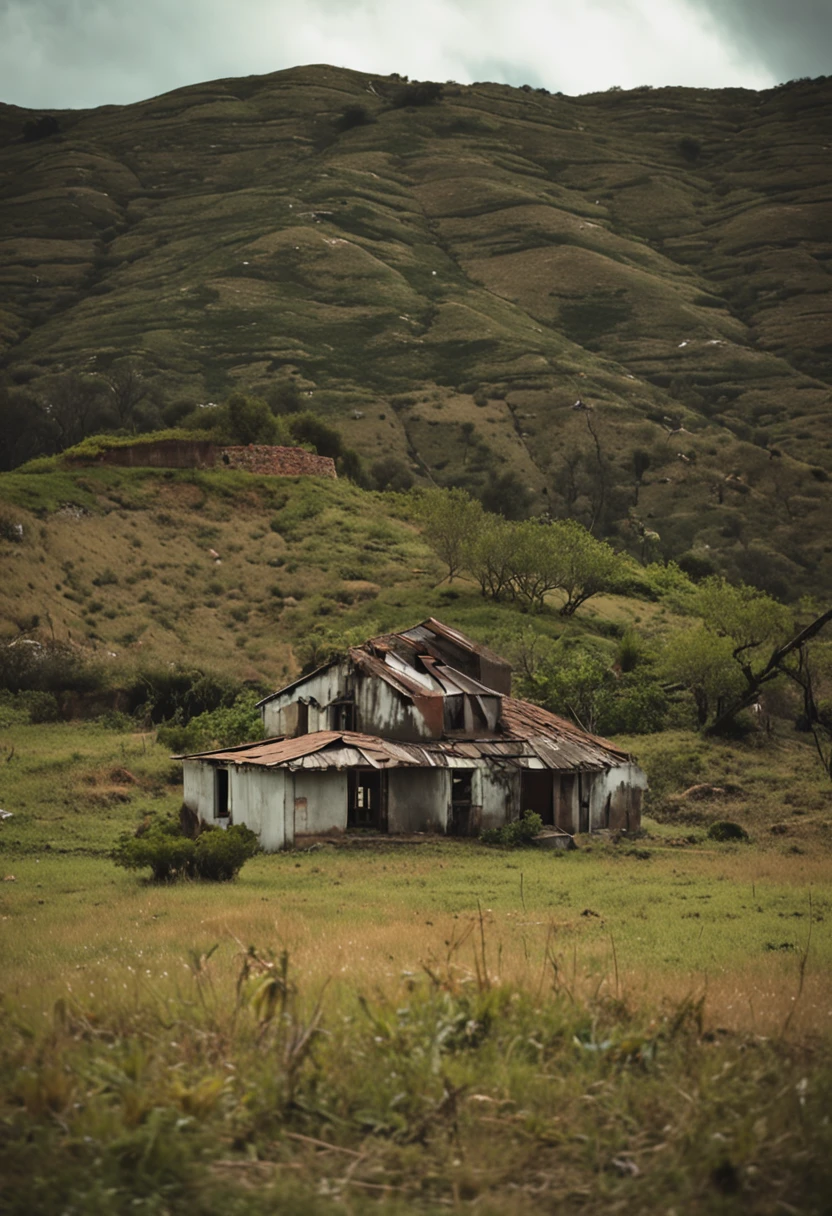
245 1087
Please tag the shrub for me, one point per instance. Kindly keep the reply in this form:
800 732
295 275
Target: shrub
41 127
175 695
422 94
353 116
162 849
219 855
9 530
517 834
216 855
725 830
224 726
28 665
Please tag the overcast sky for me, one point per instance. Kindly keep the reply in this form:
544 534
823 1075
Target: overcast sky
70 53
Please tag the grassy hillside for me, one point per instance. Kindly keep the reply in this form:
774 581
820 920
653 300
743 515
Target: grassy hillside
445 280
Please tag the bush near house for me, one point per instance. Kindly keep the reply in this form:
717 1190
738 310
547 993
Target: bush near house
515 835
215 855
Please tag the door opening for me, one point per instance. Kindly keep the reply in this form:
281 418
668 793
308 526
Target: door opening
536 793
367 806
461 782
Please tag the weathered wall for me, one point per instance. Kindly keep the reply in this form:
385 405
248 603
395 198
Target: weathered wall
319 801
418 800
498 793
256 799
616 797
379 709
318 690
198 788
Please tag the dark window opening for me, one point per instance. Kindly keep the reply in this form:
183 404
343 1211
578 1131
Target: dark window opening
461 797
366 800
302 727
221 794
454 713
342 715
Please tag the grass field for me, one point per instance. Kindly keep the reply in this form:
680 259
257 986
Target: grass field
412 1027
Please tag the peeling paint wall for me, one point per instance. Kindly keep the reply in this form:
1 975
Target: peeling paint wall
616 797
379 709
418 800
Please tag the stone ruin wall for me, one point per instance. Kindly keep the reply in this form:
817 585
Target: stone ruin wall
276 461
201 454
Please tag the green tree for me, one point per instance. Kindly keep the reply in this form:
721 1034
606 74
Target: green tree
587 566
251 421
492 558
452 522
538 561
309 428
702 661
753 621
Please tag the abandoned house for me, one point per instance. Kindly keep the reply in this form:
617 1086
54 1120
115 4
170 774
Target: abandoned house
412 732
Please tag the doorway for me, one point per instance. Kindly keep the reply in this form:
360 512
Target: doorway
461 798
367 806
536 793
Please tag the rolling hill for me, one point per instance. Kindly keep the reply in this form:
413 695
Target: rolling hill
445 274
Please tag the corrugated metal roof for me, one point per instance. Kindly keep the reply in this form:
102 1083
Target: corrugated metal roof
532 738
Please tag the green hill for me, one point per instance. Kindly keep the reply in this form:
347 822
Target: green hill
444 278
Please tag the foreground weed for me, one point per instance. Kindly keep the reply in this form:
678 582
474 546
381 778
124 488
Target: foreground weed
458 1089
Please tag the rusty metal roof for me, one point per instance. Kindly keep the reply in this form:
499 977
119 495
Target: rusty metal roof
530 737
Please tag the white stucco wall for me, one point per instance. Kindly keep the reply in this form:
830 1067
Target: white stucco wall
198 788
318 801
256 799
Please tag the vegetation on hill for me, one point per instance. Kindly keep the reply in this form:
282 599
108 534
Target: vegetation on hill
179 596
613 307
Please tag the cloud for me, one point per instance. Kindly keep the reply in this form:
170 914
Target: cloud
61 53
790 38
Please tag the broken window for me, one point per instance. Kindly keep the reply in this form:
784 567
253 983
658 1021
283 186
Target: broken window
342 715
221 793
302 727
